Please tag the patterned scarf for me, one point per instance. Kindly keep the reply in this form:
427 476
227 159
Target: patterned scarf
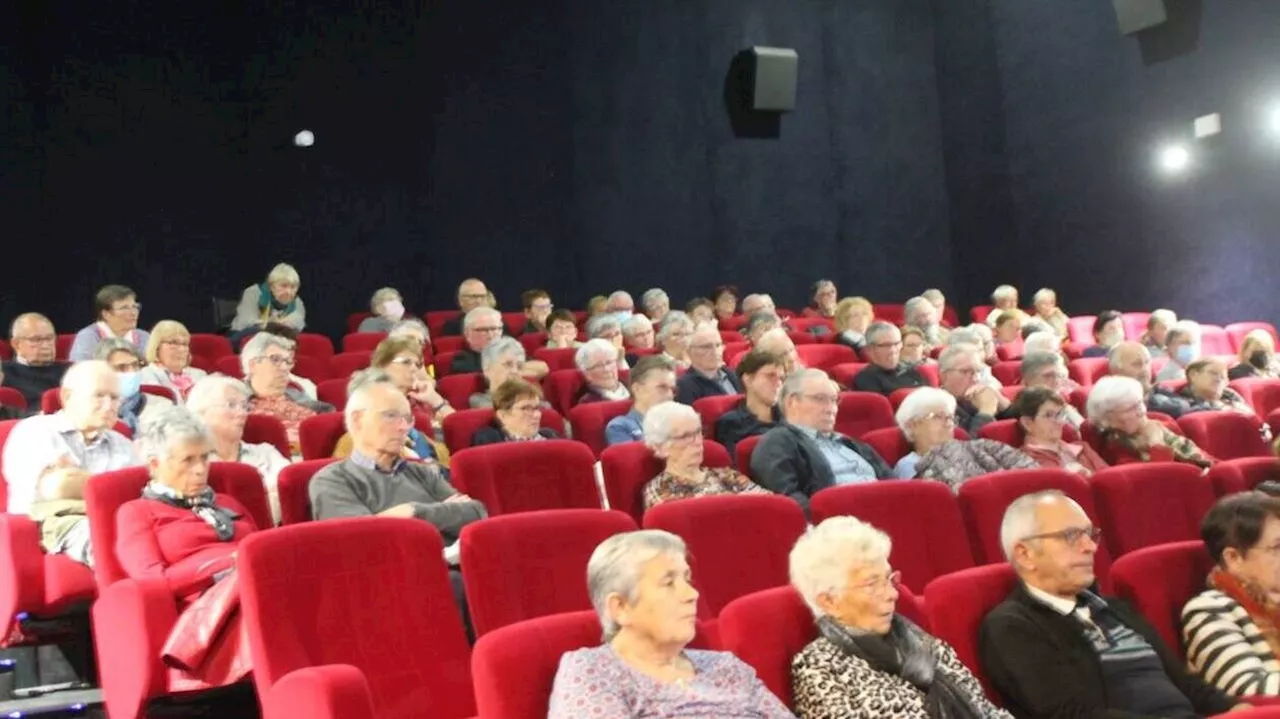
268 305
220 518
1262 610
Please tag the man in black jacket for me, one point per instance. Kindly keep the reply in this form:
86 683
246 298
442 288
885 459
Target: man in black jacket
1055 648
707 375
803 454
886 373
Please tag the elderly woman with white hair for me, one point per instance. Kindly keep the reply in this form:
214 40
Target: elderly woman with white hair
222 404
275 300
266 360
638 333
655 303
387 307
411 327
674 336
673 432
1005 299
869 662
1045 302
1117 406
182 536
499 361
608 326
598 362
920 312
641 587
1158 325
927 418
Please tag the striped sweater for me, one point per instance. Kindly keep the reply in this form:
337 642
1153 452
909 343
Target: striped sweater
1226 648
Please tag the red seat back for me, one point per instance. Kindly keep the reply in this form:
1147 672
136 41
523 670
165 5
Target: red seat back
1214 341
442 345
211 346
629 466
1080 329
562 388
62 346
514 323
891 313
1226 435
318 435
844 373
460 426
342 366
727 562
527 476
928 541
557 358
457 389
1135 324
861 412
1159 580
930 373
1007 372
1153 503
292 487
710 409
314 368
1261 394
1088 370
265 429
383 582
314 345
980 313
10 397
230 366
1242 475
589 420
436 320
957 604
355 318
522 566
334 392
742 453
825 356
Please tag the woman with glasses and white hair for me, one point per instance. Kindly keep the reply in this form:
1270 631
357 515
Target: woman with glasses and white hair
673 432
499 361
927 418
387 307
222 404
868 661
1117 406
655 303
275 300
267 361
597 360
641 588
169 359
1042 414
1045 302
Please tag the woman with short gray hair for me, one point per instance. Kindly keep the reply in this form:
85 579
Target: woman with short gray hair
927 418
868 661
275 300
183 536
500 360
674 336
597 360
673 432
387 307
607 326
1117 406
656 303
127 362
640 586
411 327
1045 302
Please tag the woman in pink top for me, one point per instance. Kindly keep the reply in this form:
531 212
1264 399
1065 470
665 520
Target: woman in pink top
1041 415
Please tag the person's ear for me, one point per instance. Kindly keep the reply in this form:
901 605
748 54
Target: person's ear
1025 423
618 609
153 464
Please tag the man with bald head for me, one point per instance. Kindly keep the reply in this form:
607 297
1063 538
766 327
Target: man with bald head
472 293
32 371
1133 360
776 341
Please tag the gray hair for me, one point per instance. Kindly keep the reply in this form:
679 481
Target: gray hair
1004 292
756 319
934 295
984 331
876 329
825 555
284 272
1032 325
964 336
636 323
658 420
410 324
1168 318
1110 393
168 427
1043 293
602 323
652 297
478 314
620 295
1183 331
794 383
1034 362
382 295
499 348
674 320
593 348
913 306
920 402
211 389
954 353
616 564
1043 341
256 348
359 387
1113 354
1020 519
83 373
112 345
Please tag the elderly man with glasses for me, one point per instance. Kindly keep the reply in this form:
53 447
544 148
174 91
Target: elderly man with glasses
886 373
480 328
707 376
472 293
32 371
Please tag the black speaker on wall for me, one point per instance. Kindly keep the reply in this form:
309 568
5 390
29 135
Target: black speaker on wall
1135 16
773 82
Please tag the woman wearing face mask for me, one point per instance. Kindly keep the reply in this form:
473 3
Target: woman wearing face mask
135 405
1257 357
388 308
1207 389
1108 331
1183 345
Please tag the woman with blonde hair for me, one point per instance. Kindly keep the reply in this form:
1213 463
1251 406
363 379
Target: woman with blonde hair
169 359
1257 357
853 316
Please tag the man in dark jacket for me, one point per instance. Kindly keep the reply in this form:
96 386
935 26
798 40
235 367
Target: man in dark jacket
886 373
1055 648
1131 359
803 454
707 375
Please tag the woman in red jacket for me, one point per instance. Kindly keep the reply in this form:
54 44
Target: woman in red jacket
1117 407
183 534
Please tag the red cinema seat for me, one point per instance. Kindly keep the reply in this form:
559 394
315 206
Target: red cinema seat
6 352
456 389
742 453
1237 331
312 367
437 319
330 574
588 421
292 486
1242 475
460 426
980 313
727 562
735 351
1226 435
342 366
629 466
825 356
733 323
334 691
265 429
10 397
1006 431
1159 580
230 366
314 345
205 364
898 396
1080 329
62 346
957 604
806 324
930 373
557 358
1088 370
928 541
1140 505
318 435
950 317
1075 350
528 565
1214 341
514 323
131 618
442 364
354 319
527 476
1010 353
532 342
1261 394
1007 372
448 344
892 446
334 392
801 339
862 412
562 388
891 313
211 346
1135 324
843 374
710 409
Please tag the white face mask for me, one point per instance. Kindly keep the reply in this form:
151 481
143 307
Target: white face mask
393 310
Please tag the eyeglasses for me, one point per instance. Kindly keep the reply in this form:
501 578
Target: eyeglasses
176 343
542 307
601 366
940 416
706 346
530 409
822 398
128 308
393 417
281 361
1071 535
1059 416
880 584
487 330
38 339
686 436
409 362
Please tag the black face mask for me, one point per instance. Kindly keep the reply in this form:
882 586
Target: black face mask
1259 359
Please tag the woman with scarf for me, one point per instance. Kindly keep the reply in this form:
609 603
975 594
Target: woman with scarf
135 405
117 308
275 300
179 532
869 662
1232 629
1117 407
169 359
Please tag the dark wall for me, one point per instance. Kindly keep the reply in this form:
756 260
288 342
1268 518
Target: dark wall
576 146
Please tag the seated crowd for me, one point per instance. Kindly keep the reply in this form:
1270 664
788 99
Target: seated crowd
661 366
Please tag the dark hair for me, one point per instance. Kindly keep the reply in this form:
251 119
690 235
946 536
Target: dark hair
758 318
1029 401
108 296
1237 521
756 360
280 329
649 364
513 390
722 289
528 297
697 302
1105 318
561 316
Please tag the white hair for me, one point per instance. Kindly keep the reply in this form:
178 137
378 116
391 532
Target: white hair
920 402
1111 393
381 296
499 348
658 420
777 336
1113 355
636 323
1168 318
212 389
1044 293
478 314
285 273
964 336
1004 292
794 383
410 325
112 345
1020 520
1188 329
360 390
674 320
652 297
593 348
824 556
256 348
617 563
1043 341
619 295
168 427
913 307
984 331
954 353
1035 362
933 295
602 323
83 375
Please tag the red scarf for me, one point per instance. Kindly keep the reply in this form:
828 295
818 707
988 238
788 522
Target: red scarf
1264 612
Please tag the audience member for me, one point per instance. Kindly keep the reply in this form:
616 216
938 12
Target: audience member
640 586
117 309
868 661
673 431
1045 301
537 308
701 309
1130 359
939 302
620 305
411 327
169 360
804 454
760 302
725 301
472 294
387 307
1034 324
517 415
822 300
126 361
927 419
1257 357
979 337
501 360
606 326
1008 334
674 336
758 323
776 341
1108 331
1005 299
1042 414
853 316
914 349
761 374
1056 648
222 404
1230 628
1157 334
1045 370
418 445
653 381
480 327
1207 389
1041 341
597 360
886 373
267 360
656 304
596 305
921 313
562 332
976 404
1117 408
1183 347
275 300
707 375
33 371
638 333
401 359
